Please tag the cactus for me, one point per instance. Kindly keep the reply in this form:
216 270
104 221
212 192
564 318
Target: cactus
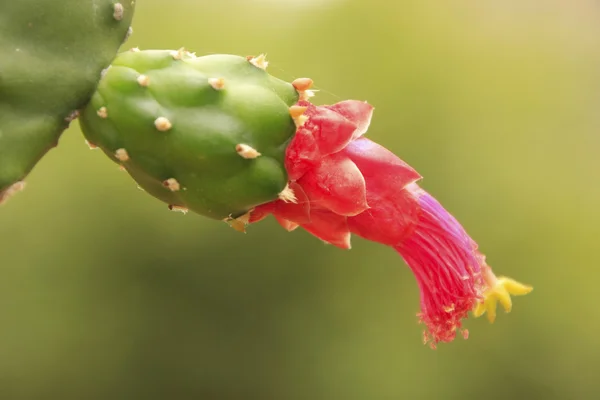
206 134
51 57
220 136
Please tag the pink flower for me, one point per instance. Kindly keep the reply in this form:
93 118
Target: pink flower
342 183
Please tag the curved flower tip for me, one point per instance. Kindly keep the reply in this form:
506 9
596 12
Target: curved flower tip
498 291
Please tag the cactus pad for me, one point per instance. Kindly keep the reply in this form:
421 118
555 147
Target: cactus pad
206 134
51 57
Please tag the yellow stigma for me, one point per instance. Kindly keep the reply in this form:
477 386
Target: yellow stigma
498 290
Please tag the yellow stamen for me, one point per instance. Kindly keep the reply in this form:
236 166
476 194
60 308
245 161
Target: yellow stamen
498 291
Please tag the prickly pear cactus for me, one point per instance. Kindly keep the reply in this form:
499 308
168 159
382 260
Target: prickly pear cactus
206 134
51 57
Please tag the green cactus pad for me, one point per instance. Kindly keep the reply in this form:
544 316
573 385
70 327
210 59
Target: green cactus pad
51 57
206 134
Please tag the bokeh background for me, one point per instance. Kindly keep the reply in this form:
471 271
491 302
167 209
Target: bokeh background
105 294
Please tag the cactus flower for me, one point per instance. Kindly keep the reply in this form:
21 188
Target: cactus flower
342 183
219 136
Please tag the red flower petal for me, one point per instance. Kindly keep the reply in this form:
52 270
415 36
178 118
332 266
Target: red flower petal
286 224
336 184
329 227
331 130
261 212
302 154
298 212
358 112
391 218
381 168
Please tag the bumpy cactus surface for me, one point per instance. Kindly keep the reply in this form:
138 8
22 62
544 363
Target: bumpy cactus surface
51 57
202 133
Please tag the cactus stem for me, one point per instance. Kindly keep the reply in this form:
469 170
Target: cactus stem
259 61
122 155
287 195
297 113
180 209
102 112
91 145
217 83
163 124
118 11
10 191
172 185
143 80
246 151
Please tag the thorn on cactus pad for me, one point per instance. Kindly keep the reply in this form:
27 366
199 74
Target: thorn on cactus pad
163 124
135 50
180 209
239 223
306 95
172 185
128 34
73 116
217 83
102 112
297 113
179 54
287 195
122 155
259 61
11 191
245 218
104 71
302 84
122 168
143 80
118 11
91 145
246 151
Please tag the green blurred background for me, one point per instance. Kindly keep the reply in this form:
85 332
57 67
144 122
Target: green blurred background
105 294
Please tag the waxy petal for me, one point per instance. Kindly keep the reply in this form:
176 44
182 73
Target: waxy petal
261 212
391 218
381 168
336 184
358 112
286 224
330 228
302 154
298 212
331 130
